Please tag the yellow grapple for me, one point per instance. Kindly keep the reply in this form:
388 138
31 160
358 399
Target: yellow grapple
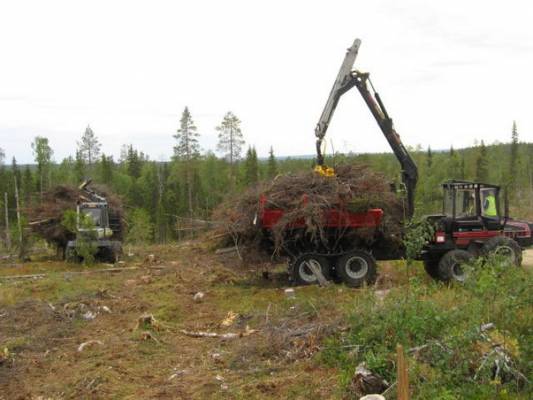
324 170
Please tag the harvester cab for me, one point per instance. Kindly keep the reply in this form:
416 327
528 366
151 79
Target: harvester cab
93 227
472 224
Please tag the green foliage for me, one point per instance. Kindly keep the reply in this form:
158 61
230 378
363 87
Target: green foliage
417 235
141 229
83 226
446 321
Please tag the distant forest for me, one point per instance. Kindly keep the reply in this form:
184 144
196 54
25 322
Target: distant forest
161 197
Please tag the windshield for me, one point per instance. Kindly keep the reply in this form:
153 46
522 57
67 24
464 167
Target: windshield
95 214
465 203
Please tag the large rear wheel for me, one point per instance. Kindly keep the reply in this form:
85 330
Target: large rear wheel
357 268
302 273
504 248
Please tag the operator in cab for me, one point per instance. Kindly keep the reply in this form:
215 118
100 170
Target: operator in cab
489 205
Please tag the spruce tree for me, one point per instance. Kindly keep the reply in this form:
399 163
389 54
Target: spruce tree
106 169
513 169
27 185
133 163
89 146
251 167
429 158
79 168
230 140
482 164
272 165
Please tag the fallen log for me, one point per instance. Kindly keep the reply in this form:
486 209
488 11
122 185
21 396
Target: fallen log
225 336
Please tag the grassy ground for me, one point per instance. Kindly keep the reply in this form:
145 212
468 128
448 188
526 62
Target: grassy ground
306 347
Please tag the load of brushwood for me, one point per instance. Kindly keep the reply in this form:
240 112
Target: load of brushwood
355 188
46 214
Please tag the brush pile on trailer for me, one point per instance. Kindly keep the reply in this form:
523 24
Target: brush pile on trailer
296 212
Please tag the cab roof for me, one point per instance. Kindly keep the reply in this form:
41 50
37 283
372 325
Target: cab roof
460 184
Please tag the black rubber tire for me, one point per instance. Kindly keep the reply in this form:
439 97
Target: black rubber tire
302 275
366 268
503 244
450 269
432 268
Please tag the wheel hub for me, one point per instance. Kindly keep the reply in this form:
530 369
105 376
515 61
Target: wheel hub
305 273
458 272
506 253
356 267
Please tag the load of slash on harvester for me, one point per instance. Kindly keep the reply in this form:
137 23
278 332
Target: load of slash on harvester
336 223
98 225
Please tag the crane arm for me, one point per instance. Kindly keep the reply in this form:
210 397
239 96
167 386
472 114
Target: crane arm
347 79
378 110
337 91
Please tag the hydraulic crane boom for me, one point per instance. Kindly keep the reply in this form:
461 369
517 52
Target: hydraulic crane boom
346 80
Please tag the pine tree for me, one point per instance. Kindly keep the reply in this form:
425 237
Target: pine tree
230 139
272 165
42 153
89 146
482 164
187 152
251 167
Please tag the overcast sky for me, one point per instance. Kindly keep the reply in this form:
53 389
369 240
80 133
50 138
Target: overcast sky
449 72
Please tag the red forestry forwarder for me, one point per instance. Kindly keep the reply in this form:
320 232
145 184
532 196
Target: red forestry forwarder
471 223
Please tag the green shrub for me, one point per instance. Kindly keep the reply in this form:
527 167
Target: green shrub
446 321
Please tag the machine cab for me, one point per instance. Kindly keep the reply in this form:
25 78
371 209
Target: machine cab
97 214
472 205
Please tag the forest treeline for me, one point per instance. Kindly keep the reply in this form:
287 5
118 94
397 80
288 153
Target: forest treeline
161 198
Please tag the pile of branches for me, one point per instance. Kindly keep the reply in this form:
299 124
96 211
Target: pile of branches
45 216
354 188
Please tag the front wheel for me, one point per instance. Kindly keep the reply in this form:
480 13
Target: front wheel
432 268
451 265
356 268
